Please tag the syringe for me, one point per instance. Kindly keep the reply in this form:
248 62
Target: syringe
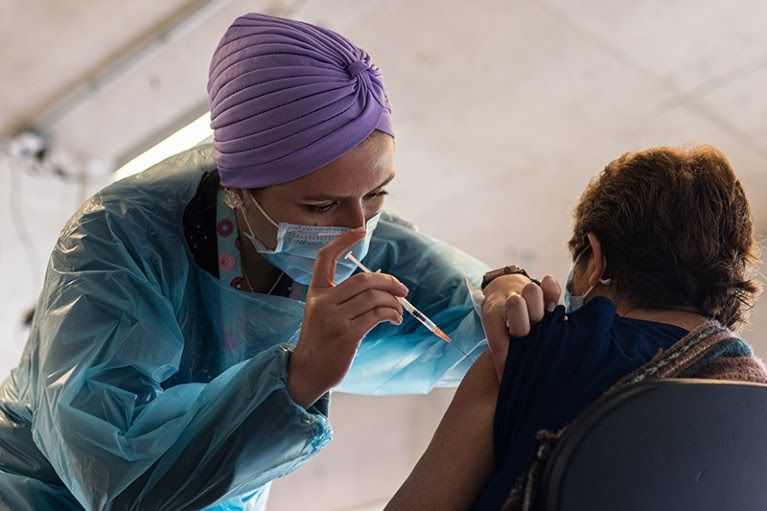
420 316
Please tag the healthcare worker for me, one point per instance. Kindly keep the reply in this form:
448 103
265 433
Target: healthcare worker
194 318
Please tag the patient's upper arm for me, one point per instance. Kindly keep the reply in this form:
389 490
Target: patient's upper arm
459 459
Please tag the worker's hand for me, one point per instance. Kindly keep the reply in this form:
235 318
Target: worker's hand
335 320
513 303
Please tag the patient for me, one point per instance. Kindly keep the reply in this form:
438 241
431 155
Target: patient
663 253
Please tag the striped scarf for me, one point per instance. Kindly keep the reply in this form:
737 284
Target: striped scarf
711 352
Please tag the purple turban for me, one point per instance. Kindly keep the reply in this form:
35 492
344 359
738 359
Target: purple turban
287 98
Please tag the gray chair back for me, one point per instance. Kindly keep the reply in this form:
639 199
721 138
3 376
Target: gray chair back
676 444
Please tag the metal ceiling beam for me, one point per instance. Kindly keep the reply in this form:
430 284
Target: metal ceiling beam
118 65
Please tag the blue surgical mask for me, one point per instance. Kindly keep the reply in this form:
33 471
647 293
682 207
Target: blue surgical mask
575 302
297 246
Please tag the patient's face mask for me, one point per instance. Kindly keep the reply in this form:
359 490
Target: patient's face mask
575 302
297 246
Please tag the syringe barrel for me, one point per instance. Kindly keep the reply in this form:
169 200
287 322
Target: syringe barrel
420 316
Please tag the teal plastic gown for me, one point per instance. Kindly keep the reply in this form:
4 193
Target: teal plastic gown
148 384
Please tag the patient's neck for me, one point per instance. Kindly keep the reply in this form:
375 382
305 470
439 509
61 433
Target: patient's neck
687 319
681 318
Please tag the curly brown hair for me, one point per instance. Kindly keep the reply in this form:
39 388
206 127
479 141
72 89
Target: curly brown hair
676 228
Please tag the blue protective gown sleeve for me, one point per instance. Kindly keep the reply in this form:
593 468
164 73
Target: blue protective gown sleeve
408 358
108 337
119 440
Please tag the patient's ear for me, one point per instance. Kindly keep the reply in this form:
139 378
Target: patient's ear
597 263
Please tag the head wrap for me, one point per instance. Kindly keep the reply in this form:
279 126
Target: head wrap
287 98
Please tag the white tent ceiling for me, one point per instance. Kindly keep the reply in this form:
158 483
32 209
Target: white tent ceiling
507 107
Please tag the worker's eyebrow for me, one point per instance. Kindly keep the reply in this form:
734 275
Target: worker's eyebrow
327 197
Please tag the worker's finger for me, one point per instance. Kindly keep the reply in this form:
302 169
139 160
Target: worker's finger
517 318
366 322
327 256
361 282
369 299
551 292
533 296
494 323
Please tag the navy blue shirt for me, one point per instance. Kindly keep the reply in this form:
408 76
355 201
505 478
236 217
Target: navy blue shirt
564 364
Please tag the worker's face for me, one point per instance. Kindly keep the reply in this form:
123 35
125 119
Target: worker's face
344 193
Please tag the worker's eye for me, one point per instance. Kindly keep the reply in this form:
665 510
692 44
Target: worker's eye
378 194
320 208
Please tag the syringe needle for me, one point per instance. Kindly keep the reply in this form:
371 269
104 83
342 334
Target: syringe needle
420 316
